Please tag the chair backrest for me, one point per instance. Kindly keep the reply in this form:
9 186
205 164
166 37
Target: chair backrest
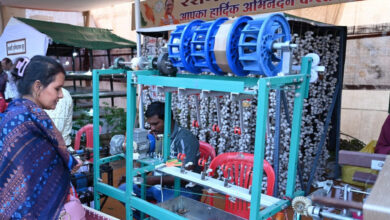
88 130
206 151
239 167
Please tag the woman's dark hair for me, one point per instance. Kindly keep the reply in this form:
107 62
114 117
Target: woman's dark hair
40 68
14 70
155 108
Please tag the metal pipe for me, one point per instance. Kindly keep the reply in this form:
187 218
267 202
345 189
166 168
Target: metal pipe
345 197
337 203
240 108
96 139
218 112
141 107
318 213
323 137
137 26
130 119
287 115
73 61
335 216
197 110
277 142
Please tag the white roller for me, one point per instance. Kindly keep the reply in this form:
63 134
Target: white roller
220 44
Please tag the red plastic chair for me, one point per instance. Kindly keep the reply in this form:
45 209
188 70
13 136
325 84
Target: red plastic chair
88 130
3 104
206 151
240 165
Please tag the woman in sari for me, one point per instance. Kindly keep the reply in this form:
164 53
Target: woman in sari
35 165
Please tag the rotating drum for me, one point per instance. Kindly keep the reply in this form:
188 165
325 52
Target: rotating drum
226 46
256 51
179 46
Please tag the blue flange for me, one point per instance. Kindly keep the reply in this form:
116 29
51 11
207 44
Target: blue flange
202 46
179 46
232 54
255 45
152 143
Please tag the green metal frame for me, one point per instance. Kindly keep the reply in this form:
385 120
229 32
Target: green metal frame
242 85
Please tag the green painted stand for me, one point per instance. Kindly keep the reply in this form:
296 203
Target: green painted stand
234 85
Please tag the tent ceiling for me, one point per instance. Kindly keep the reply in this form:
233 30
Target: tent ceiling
61 5
76 36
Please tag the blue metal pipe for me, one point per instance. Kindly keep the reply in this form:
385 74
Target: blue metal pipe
323 137
287 114
277 142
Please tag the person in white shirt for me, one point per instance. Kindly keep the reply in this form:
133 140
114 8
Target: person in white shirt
11 91
62 116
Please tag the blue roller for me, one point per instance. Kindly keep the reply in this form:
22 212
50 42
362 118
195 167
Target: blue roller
179 46
202 46
232 54
255 45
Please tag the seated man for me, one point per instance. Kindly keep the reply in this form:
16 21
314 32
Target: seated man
182 141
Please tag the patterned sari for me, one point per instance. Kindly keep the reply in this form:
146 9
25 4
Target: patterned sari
34 164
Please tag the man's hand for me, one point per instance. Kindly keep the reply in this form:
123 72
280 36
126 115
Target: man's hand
77 166
124 145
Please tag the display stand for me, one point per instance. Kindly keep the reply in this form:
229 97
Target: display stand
204 83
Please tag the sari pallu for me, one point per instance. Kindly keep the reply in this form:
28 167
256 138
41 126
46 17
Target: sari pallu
34 164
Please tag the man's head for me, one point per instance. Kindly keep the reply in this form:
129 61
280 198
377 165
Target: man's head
155 117
169 7
6 63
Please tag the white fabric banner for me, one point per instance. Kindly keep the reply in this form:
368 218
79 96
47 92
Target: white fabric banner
21 40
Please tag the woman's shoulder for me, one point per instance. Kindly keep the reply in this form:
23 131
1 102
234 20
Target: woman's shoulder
22 113
19 110
14 109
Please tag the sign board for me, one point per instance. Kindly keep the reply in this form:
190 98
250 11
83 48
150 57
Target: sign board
16 47
21 40
164 12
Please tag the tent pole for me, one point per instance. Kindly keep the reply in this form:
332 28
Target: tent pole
137 26
73 61
139 87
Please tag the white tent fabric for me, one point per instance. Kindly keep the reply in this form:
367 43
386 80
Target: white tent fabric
25 40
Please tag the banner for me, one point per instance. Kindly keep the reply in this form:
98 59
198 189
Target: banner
164 12
16 47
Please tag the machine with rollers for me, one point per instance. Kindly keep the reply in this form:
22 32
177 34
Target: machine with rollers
241 46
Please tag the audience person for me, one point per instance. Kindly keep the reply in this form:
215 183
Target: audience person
11 91
182 141
383 144
6 63
62 116
3 81
35 165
